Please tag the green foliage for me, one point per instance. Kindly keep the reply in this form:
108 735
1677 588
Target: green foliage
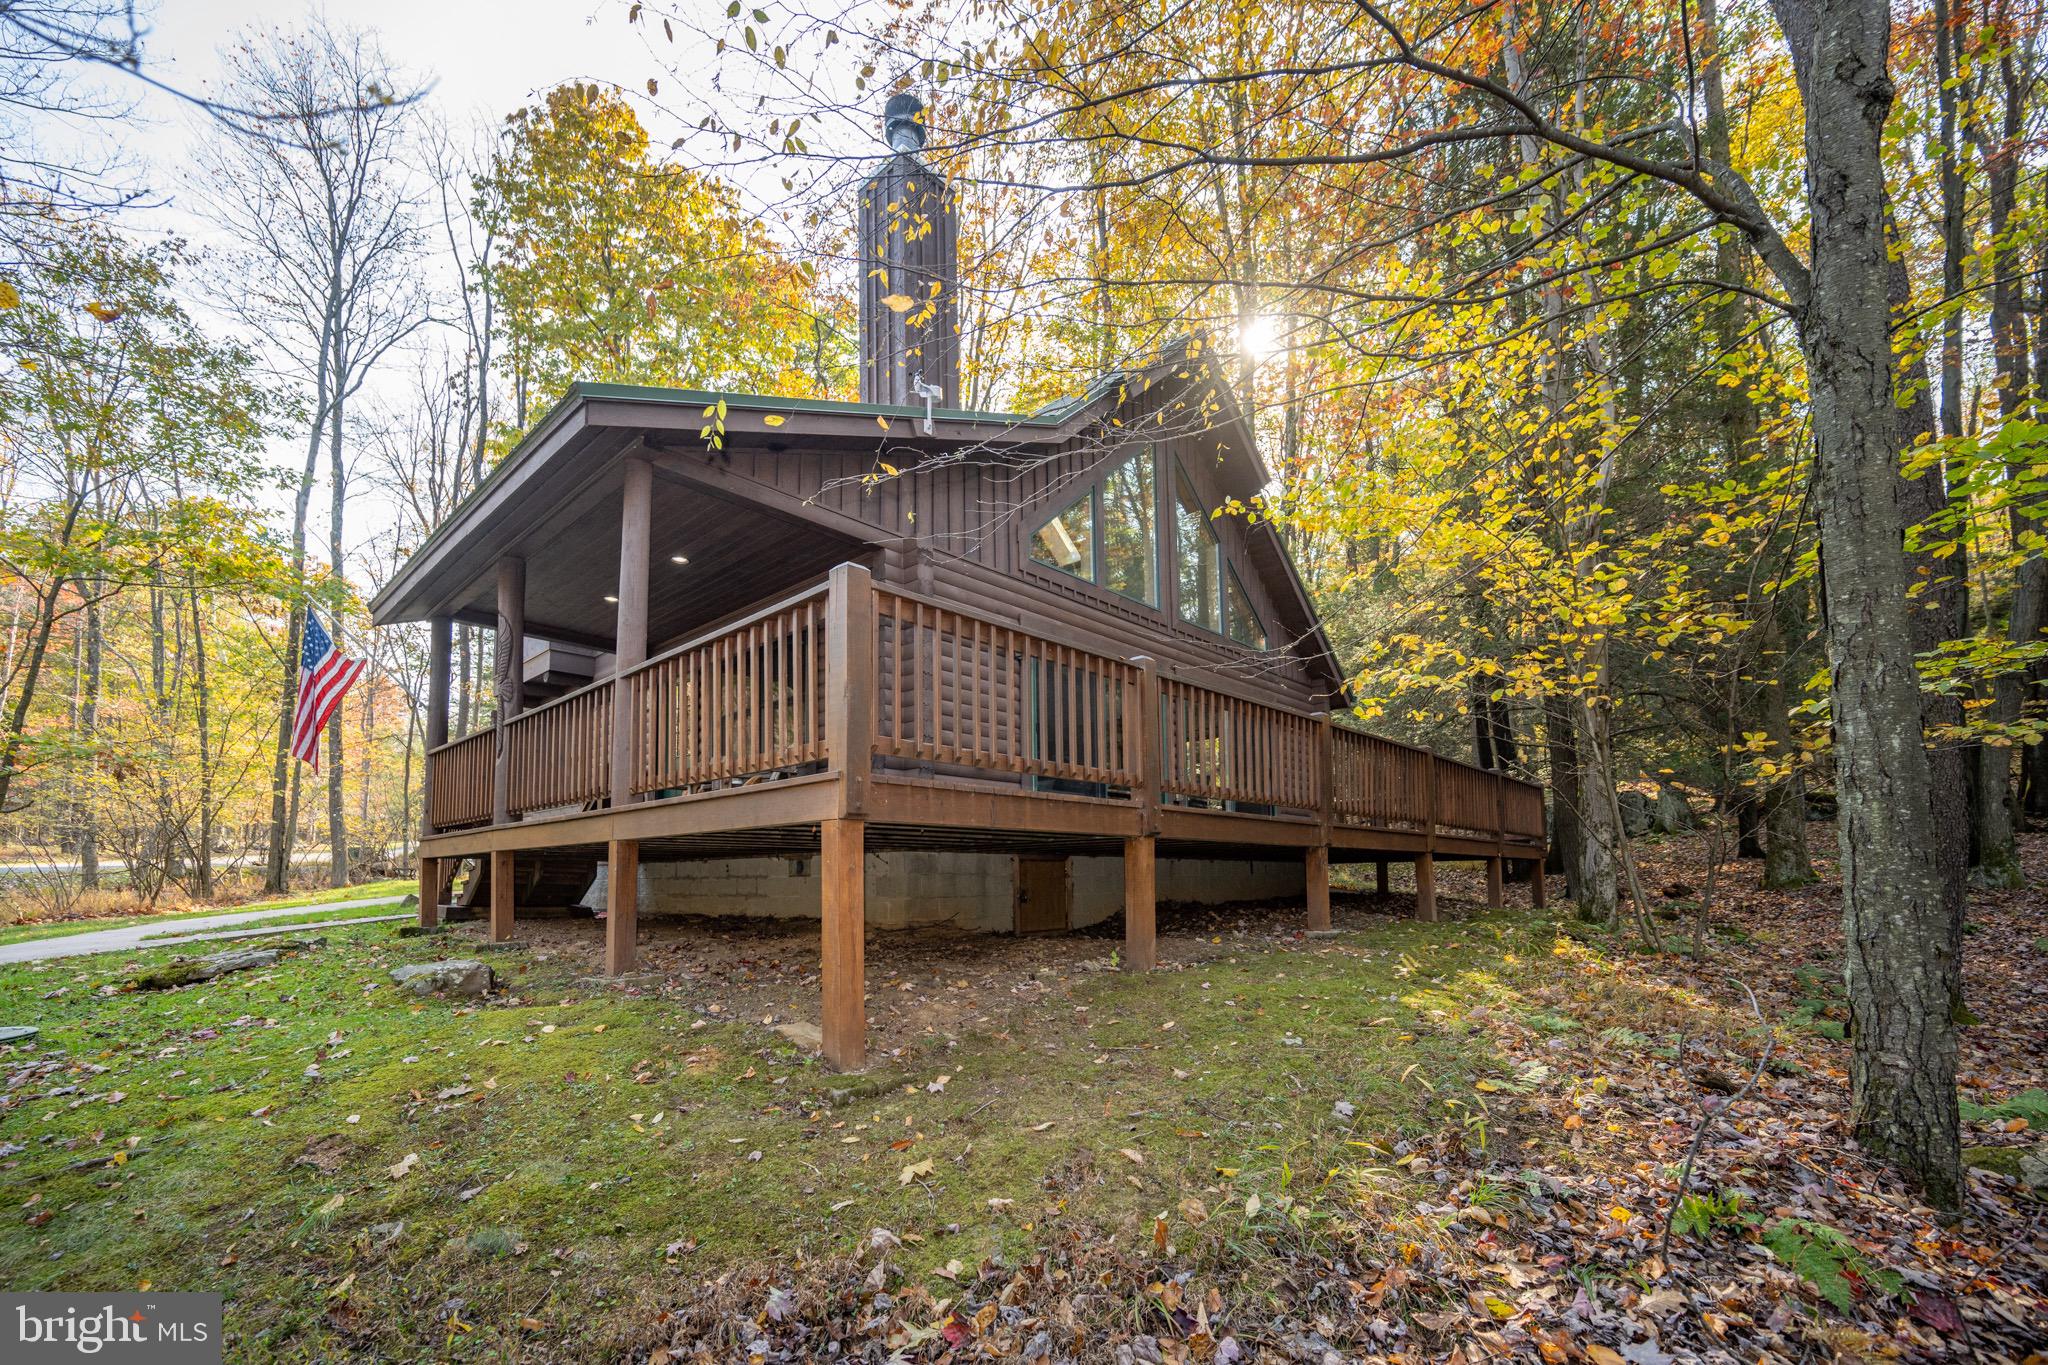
1702 1215
2031 1105
618 266
1830 1262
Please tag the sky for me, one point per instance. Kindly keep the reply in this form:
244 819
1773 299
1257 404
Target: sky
484 60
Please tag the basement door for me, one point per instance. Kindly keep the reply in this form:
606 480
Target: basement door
1044 895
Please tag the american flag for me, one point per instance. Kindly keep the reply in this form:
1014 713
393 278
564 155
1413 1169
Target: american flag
325 675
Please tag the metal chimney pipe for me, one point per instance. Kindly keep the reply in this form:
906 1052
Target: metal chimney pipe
909 263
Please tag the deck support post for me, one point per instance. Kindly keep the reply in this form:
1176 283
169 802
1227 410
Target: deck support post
850 682
1141 903
842 874
1425 886
629 639
1318 860
501 896
1495 875
509 664
621 904
1379 869
433 876
1536 887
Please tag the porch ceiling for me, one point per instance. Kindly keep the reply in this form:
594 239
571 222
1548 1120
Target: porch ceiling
739 553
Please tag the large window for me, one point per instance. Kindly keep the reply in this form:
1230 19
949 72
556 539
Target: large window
1111 535
1130 537
1197 556
1067 542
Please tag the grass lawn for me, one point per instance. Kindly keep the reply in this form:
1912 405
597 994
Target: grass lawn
340 1159
394 888
1398 1139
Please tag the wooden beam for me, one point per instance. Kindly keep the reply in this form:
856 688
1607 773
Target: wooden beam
621 904
1536 886
850 683
1146 793
439 632
1380 875
1141 889
1495 873
501 896
430 892
842 874
510 667
1425 887
636 511
1318 860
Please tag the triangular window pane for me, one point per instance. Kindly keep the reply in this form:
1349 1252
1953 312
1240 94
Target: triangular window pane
1130 548
1240 622
1198 558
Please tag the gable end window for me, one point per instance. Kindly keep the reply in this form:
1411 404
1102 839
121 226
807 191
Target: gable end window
1109 534
1197 557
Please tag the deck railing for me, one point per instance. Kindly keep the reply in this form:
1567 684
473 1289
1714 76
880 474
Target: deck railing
745 702
1218 747
956 690
560 753
947 691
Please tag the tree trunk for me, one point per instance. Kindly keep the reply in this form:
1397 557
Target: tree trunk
1566 792
1599 897
88 734
337 811
1903 1045
202 696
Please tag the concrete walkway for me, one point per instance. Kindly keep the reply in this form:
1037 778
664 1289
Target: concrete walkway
169 933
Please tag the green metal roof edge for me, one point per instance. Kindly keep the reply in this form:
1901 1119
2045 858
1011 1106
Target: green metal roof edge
704 398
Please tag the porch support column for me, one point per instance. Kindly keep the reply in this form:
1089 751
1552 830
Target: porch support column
1494 877
501 897
438 634
1425 886
1379 868
842 874
1536 887
636 511
510 667
1141 894
1319 886
621 904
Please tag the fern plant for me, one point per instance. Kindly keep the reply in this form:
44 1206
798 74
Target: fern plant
1828 1261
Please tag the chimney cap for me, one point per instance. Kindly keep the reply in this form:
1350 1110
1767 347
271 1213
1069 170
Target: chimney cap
903 124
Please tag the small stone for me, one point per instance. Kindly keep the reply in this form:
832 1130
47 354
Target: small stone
806 1036
188 971
452 976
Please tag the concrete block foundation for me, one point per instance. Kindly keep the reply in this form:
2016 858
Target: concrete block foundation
976 891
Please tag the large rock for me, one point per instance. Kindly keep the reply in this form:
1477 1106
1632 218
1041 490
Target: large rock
1673 813
453 976
1638 817
188 971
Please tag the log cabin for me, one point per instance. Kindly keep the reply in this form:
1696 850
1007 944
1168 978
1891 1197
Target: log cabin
894 661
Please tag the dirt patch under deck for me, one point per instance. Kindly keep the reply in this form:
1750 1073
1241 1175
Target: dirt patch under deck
928 985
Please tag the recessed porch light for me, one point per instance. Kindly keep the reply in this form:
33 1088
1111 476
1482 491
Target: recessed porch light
678 559
609 598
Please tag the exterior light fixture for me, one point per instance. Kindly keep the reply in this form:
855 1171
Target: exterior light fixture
609 598
678 559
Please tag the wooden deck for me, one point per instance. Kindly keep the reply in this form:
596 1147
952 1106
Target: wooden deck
854 717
